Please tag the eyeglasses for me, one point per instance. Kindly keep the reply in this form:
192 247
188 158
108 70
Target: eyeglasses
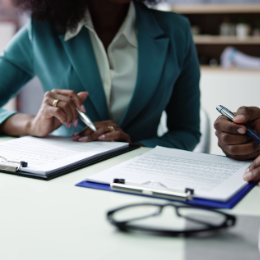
126 218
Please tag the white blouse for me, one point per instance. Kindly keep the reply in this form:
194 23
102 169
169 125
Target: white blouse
117 67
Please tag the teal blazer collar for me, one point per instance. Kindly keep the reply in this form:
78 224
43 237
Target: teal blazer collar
152 52
81 55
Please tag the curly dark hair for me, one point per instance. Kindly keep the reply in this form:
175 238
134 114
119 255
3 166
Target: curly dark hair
63 14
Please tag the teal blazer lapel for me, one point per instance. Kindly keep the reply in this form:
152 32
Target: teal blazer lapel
152 52
82 57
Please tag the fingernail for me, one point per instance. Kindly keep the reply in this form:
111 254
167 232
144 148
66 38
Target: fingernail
241 130
70 125
102 137
240 117
82 139
247 170
76 122
65 123
83 109
76 137
75 134
247 176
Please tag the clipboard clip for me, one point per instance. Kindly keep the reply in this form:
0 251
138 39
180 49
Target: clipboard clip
11 166
156 189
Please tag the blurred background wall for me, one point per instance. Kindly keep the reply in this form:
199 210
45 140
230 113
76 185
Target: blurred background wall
227 37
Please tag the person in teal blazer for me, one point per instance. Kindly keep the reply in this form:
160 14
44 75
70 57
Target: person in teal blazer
167 79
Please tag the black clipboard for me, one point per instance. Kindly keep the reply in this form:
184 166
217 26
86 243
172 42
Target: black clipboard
75 166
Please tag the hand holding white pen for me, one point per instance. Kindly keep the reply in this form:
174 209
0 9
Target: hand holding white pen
58 108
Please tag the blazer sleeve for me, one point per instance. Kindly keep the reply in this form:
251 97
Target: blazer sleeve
183 109
16 68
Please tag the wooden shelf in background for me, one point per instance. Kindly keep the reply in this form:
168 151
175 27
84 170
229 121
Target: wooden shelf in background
208 39
205 68
216 8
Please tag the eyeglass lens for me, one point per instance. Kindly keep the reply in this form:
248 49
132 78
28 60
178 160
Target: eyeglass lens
205 216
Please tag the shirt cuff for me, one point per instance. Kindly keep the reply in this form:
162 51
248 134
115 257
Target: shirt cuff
5 114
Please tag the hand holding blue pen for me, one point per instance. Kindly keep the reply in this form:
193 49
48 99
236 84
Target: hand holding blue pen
239 140
239 119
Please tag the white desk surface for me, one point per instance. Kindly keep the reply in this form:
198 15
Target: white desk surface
54 220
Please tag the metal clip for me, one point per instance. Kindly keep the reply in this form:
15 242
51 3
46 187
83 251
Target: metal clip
11 166
157 190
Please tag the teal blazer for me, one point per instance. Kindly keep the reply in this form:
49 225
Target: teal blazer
168 76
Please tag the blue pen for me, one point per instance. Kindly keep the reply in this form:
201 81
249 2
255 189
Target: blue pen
249 131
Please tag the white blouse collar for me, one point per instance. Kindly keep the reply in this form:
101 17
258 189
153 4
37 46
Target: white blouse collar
127 28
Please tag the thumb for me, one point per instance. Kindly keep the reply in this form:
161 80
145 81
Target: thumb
246 114
83 95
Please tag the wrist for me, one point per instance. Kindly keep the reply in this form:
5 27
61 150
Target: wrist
17 125
28 126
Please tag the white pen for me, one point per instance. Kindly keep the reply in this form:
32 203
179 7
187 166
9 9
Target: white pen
86 120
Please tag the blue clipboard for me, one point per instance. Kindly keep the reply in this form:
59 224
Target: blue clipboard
196 202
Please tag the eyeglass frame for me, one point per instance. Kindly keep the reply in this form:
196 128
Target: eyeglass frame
229 221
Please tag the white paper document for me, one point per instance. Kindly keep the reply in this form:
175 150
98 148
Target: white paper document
211 176
46 155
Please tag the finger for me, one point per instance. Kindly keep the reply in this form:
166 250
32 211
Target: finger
66 104
93 136
103 124
240 149
246 114
106 124
75 136
252 173
115 136
66 108
74 96
72 109
255 164
242 157
85 132
228 138
88 135
50 112
224 125
83 95
232 138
